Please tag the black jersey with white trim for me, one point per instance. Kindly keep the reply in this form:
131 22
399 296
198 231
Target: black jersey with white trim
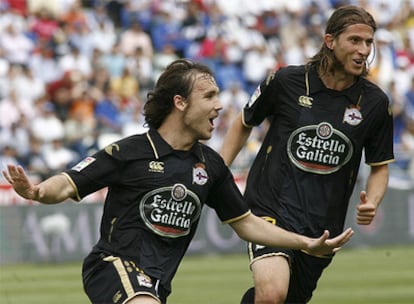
155 196
306 169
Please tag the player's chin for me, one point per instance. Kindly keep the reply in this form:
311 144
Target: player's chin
206 135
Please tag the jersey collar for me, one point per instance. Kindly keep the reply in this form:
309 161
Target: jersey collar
353 93
161 148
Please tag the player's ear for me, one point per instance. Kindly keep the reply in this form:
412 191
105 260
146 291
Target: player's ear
328 40
180 102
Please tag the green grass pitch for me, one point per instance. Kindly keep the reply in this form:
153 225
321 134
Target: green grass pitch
358 276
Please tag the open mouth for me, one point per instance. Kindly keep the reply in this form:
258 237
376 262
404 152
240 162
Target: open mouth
359 61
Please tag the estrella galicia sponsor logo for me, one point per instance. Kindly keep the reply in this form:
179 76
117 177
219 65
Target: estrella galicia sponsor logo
170 211
319 148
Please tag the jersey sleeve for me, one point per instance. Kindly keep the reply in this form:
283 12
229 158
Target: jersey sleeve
95 172
225 197
262 102
379 147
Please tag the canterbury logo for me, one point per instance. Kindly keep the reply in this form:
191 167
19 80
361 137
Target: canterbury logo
305 101
156 166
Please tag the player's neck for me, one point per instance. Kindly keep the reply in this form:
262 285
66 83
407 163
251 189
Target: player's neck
175 137
337 81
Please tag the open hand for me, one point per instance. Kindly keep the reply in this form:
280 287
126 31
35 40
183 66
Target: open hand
16 176
324 246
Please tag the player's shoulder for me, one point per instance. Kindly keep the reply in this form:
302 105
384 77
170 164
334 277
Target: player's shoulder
211 155
374 91
129 148
291 70
290 73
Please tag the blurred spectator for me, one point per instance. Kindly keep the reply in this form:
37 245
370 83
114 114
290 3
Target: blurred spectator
9 15
384 60
107 112
134 37
141 68
75 16
58 157
75 61
298 53
397 100
80 133
59 92
98 19
83 105
136 11
213 50
114 8
133 121
103 37
29 87
12 108
98 83
81 38
234 96
114 61
16 45
407 143
34 160
402 74
8 155
61 40
44 25
46 127
228 73
268 24
4 66
18 135
194 27
56 7
166 30
43 65
162 59
126 87
257 63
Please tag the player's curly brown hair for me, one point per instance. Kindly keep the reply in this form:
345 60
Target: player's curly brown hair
177 79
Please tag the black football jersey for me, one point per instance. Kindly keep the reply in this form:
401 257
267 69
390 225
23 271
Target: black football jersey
306 169
155 197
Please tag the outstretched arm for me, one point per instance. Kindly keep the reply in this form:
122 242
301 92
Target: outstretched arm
234 140
371 198
53 190
255 229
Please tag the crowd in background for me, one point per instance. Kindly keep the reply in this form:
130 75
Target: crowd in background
74 74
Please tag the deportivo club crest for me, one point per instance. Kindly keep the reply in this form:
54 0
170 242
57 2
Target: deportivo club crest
319 148
200 176
352 116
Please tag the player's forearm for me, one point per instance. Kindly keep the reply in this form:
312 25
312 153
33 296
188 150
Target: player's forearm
54 190
377 183
257 230
234 140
